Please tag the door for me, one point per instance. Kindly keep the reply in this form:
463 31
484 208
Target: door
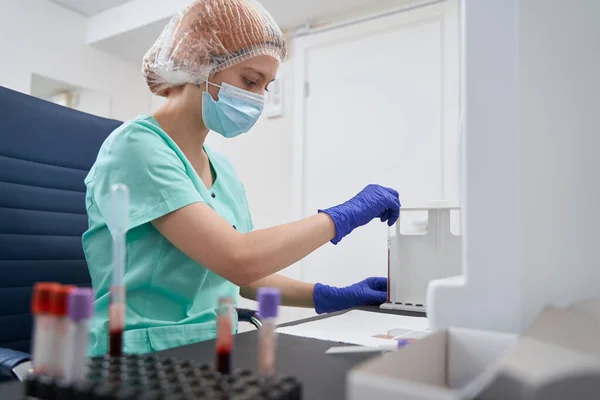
377 102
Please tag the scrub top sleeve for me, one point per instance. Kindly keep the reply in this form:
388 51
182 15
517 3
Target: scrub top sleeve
156 176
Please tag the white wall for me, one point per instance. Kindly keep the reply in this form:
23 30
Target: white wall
37 36
559 61
92 102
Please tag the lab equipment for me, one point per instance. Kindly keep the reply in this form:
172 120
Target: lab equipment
81 310
268 306
368 349
154 377
210 36
43 330
428 252
367 292
224 342
373 201
235 112
118 226
59 310
530 209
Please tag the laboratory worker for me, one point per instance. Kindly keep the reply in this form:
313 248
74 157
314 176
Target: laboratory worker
191 239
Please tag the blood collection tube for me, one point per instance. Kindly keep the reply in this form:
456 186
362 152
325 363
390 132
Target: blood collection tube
118 226
224 335
59 309
43 330
268 307
390 237
80 310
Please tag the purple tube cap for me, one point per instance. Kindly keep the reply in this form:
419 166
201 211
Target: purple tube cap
268 302
81 304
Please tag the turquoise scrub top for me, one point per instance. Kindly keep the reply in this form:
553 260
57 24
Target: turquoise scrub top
171 299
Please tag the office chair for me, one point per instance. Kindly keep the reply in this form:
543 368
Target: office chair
46 151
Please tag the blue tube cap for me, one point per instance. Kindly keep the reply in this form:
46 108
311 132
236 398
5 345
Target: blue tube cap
268 302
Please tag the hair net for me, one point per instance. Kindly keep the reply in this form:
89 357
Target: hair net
210 36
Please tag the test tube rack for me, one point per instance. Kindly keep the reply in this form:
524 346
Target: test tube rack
418 258
152 377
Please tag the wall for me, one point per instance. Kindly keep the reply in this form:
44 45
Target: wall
93 102
37 36
559 59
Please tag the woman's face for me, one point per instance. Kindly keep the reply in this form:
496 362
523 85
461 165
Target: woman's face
253 75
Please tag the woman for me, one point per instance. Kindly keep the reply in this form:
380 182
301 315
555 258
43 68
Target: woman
191 238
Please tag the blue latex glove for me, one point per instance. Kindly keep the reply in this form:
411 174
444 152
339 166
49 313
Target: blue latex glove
371 291
374 201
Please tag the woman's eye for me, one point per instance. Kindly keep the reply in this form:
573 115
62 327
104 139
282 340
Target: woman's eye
250 83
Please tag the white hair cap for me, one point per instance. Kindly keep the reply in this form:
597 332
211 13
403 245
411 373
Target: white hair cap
210 36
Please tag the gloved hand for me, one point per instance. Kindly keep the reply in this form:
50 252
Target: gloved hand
371 291
373 201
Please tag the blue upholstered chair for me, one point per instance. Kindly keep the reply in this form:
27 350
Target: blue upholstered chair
46 151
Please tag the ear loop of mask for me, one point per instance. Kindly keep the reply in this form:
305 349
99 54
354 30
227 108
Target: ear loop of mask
208 83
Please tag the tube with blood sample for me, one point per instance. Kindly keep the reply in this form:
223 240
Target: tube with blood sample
43 330
81 308
59 308
224 335
390 237
268 307
118 225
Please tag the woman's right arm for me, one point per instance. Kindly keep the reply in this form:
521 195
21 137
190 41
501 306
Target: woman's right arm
206 237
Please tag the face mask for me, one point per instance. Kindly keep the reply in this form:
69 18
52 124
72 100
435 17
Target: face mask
235 113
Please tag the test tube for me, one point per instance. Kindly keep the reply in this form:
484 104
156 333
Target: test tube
390 237
80 310
118 224
224 335
268 307
43 329
59 309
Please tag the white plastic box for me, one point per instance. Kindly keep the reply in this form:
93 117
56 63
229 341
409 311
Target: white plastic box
556 358
431 251
443 366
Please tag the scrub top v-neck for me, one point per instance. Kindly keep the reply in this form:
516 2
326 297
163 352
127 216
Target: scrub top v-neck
171 299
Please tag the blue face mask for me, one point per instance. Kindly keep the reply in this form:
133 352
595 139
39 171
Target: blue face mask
235 113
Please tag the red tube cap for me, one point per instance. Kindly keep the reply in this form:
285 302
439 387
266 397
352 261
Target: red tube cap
42 297
60 300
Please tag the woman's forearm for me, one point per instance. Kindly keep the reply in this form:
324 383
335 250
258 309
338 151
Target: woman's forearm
293 293
203 235
272 249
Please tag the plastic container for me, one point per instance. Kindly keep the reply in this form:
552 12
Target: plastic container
430 252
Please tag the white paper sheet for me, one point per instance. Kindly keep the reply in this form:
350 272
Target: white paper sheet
362 328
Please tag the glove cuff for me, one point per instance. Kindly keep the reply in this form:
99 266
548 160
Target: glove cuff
335 217
320 298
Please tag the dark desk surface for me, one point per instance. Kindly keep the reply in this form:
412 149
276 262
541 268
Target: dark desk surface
323 376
